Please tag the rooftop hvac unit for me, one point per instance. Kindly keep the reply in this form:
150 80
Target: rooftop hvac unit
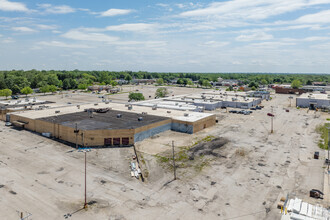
119 115
96 104
56 112
186 114
182 98
107 102
140 118
126 105
176 103
78 106
154 107
168 111
130 107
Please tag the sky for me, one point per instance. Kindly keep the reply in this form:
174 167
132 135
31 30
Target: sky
277 36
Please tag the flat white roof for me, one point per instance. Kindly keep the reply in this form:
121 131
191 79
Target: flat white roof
314 96
174 114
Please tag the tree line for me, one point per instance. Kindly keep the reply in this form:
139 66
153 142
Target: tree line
51 80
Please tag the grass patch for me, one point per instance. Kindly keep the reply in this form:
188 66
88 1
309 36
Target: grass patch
323 131
200 166
162 159
328 119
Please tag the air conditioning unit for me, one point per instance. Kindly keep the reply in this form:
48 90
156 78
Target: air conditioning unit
56 112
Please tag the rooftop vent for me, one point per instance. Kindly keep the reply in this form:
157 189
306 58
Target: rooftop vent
186 114
56 112
119 115
168 111
140 118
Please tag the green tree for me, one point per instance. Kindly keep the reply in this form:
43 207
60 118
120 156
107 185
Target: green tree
26 91
206 83
44 89
190 83
5 92
52 88
82 86
66 84
128 78
296 84
161 92
135 96
179 81
160 81
264 82
253 84
113 83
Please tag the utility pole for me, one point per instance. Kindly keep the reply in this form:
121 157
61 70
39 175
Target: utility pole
272 118
290 98
85 205
328 151
85 150
174 168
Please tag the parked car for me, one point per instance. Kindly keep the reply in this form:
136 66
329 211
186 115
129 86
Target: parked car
232 111
14 97
8 124
258 108
253 108
270 114
314 193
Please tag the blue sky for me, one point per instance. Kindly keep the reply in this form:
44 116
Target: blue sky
166 36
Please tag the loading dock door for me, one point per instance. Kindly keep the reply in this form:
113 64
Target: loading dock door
116 141
125 141
107 141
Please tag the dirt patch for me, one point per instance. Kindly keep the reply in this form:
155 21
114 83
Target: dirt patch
207 148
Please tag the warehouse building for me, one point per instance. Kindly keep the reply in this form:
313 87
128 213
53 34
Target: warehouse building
312 101
109 124
208 101
19 105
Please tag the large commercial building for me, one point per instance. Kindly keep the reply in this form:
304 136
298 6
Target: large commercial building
312 101
210 100
19 105
109 124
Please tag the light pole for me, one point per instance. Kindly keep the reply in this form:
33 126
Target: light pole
174 168
290 97
85 150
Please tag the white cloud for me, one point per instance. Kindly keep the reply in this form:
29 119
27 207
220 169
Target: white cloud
215 44
6 5
261 36
162 5
24 29
46 27
84 36
114 12
136 27
250 10
62 44
60 9
8 40
320 17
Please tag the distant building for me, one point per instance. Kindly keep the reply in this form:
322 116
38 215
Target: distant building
313 101
145 81
99 88
319 83
281 90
